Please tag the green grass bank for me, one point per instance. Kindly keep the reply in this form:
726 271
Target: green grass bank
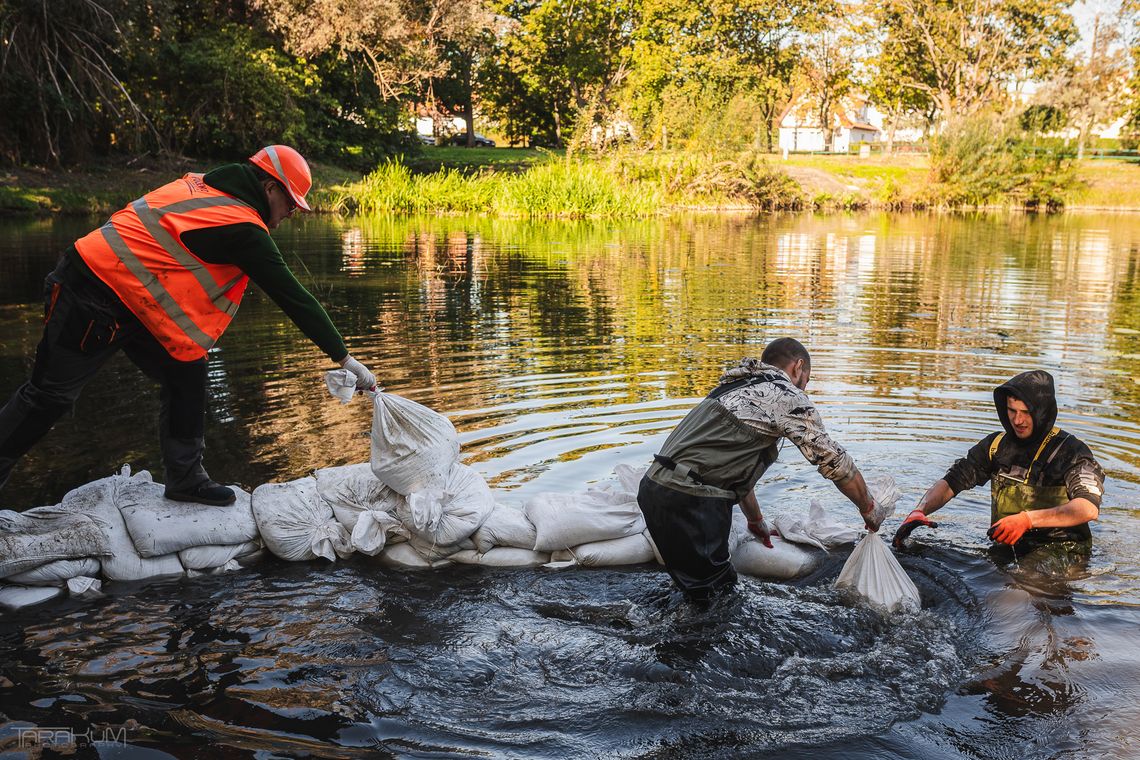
530 183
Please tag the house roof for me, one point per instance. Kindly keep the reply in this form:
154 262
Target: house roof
848 114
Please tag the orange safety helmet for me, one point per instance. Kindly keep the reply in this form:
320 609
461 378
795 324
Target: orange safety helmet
288 167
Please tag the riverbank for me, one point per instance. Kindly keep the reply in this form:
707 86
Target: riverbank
538 183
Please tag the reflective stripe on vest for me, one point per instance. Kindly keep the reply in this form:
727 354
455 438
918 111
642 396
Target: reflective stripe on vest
185 302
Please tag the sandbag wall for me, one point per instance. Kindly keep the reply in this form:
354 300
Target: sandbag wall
414 505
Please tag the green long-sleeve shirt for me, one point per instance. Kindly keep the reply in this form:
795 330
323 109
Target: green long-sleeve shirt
251 249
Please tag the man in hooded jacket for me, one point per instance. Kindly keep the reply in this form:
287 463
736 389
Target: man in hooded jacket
1045 483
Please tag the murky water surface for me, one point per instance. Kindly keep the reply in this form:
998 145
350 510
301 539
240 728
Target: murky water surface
561 350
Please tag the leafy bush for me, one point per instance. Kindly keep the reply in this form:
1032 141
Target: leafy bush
979 162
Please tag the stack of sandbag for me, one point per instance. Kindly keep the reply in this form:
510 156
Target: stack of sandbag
296 524
363 505
600 527
200 537
45 549
119 528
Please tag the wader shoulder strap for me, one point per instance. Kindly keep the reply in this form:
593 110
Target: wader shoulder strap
1052 434
746 382
995 444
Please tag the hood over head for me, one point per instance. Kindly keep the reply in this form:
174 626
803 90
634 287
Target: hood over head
1035 390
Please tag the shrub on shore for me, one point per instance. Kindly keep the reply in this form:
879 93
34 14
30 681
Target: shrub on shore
980 162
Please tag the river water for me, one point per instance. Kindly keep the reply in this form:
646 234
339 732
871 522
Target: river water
561 350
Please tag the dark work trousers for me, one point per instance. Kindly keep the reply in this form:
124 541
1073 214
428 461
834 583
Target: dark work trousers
84 326
691 533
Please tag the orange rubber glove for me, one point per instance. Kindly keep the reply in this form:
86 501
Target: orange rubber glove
916 518
1009 530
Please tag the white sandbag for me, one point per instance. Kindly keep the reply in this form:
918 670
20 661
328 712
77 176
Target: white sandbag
816 529
45 534
783 561
507 525
296 524
363 505
85 587
353 489
629 550
206 557
413 447
886 494
562 521
405 557
228 567
873 572
503 556
433 552
373 530
56 573
18 597
98 500
160 526
341 384
449 516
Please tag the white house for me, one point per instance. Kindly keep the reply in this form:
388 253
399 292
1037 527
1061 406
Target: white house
851 124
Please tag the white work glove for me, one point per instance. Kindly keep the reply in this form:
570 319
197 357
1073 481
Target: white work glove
365 380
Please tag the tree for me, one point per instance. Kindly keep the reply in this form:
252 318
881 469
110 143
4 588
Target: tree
1091 89
564 54
59 87
891 74
401 40
828 69
972 50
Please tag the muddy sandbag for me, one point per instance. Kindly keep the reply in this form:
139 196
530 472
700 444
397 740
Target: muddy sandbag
503 556
208 557
18 597
98 500
453 514
296 524
629 550
405 557
562 521
363 505
160 526
873 572
413 447
433 552
506 526
45 534
56 573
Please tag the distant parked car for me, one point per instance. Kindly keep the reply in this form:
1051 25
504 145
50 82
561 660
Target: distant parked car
480 140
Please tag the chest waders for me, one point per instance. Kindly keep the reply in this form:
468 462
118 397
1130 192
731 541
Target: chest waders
1011 494
713 453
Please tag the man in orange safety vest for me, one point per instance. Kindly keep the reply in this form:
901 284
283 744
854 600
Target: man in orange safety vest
161 281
